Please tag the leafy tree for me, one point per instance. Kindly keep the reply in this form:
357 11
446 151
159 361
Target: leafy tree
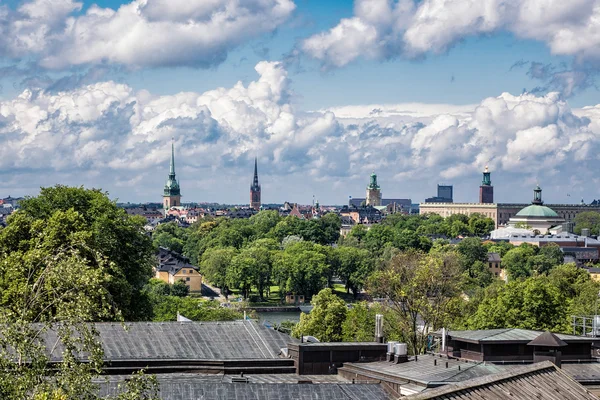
56 275
165 308
358 232
589 220
107 230
378 236
355 267
480 225
290 240
420 288
472 250
459 228
180 289
499 247
288 226
359 325
301 269
164 239
516 262
325 319
533 303
264 221
331 224
214 265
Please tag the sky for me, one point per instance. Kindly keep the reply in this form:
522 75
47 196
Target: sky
323 93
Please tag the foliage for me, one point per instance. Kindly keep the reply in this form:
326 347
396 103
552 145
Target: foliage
165 308
420 288
516 261
180 289
214 265
359 325
589 220
60 265
533 303
91 217
355 265
325 319
301 269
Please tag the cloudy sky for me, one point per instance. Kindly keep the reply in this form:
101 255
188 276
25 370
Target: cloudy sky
322 92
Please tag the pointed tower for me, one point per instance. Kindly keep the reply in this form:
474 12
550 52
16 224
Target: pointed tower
373 192
172 193
255 189
486 190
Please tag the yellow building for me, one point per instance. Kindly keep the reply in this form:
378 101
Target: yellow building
495 266
173 267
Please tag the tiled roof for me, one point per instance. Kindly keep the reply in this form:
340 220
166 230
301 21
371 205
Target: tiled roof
537 381
494 257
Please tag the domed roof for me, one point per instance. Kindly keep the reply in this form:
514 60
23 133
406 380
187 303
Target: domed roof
535 210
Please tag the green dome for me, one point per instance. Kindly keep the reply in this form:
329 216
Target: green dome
535 210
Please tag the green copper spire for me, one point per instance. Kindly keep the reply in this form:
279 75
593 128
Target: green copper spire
373 184
172 186
487 181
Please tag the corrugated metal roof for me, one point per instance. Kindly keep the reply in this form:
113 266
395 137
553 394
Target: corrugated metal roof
537 381
186 387
227 340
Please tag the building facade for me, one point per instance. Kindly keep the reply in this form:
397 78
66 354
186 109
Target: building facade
373 192
501 213
172 192
255 189
486 190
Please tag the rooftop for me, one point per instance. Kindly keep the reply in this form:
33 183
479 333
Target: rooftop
227 340
193 386
507 335
537 211
537 381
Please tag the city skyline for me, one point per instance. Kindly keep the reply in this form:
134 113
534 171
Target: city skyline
322 93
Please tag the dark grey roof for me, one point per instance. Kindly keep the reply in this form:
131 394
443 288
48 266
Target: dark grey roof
583 372
190 386
507 335
227 340
427 372
172 262
494 257
547 339
537 381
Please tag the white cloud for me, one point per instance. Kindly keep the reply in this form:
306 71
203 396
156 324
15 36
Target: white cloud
118 139
143 33
382 29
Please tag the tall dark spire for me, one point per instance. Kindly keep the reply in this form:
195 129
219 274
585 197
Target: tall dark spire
255 180
255 189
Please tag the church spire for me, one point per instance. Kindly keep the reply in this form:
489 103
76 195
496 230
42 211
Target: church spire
172 167
255 189
255 180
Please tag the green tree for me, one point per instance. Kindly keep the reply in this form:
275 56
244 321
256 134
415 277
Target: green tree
55 275
420 288
516 262
534 303
109 231
355 265
180 289
480 225
359 325
214 265
378 237
301 269
264 221
588 220
325 319
166 308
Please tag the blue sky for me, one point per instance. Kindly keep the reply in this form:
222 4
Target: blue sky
93 91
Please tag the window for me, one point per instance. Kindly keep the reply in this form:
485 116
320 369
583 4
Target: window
191 271
188 278
490 265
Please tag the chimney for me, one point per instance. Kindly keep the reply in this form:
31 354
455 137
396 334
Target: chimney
379 328
443 340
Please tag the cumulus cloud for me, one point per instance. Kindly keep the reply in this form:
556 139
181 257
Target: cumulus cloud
383 29
110 135
143 33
